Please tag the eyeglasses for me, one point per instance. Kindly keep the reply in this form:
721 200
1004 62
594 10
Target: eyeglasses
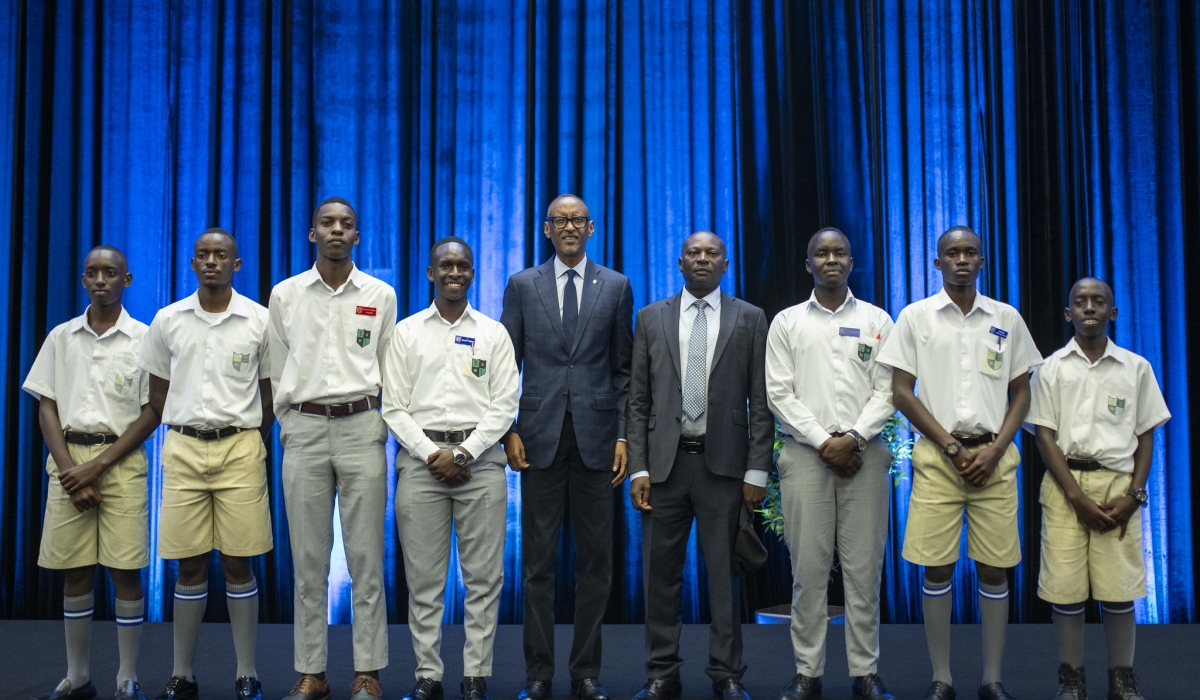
561 221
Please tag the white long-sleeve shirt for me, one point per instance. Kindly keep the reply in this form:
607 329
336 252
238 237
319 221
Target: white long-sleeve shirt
447 376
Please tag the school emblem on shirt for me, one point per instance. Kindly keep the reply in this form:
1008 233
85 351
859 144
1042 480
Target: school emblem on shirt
478 367
122 384
995 360
241 361
864 352
1116 406
364 337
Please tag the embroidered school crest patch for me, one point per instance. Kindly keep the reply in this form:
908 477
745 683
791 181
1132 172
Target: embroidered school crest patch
364 337
864 352
241 361
478 367
122 384
995 360
1116 406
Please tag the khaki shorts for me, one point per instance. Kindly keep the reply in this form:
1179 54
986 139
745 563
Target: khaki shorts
935 511
114 534
1075 557
214 496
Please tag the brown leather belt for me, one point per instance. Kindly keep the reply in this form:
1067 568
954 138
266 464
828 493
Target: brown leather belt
691 444
975 440
1084 465
337 410
450 437
207 435
90 438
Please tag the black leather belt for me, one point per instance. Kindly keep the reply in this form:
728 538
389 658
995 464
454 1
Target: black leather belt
206 435
1084 465
975 440
691 444
90 438
337 410
450 437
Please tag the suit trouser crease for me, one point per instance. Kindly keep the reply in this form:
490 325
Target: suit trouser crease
324 458
819 510
426 510
691 493
543 493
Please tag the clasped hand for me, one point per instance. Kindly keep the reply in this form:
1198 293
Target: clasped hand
441 465
840 455
976 467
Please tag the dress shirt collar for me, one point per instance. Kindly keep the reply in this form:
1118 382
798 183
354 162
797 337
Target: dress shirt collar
847 303
356 276
687 299
1110 350
982 303
432 312
560 267
238 304
125 323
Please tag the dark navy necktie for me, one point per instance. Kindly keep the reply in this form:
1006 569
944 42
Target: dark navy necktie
570 309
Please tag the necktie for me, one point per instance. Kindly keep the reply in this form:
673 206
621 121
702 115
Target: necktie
695 383
570 308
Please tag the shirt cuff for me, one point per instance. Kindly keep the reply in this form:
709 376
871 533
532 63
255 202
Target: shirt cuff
755 477
638 475
622 440
423 449
816 438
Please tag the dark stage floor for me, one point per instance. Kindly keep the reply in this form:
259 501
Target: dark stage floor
33 659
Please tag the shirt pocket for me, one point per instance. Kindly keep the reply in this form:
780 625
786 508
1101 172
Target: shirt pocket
992 358
477 361
123 381
240 361
862 352
362 334
1116 403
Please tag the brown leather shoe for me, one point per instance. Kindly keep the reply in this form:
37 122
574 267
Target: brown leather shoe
365 688
309 687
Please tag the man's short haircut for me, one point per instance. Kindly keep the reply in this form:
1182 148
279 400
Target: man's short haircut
445 240
705 232
957 229
333 200
217 230
827 229
567 195
109 249
1112 296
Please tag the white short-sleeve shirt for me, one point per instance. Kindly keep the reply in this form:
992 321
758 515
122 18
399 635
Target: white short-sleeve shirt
1097 410
963 363
213 361
94 379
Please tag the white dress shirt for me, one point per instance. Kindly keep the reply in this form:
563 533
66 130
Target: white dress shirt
687 319
963 363
213 361
327 344
560 281
1097 410
449 376
94 379
823 374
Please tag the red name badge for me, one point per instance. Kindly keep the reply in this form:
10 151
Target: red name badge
364 310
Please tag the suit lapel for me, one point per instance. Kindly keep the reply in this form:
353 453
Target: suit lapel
548 291
670 319
729 314
592 286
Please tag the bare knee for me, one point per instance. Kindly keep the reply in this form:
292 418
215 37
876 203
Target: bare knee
78 581
939 574
128 583
991 575
193 571
237 569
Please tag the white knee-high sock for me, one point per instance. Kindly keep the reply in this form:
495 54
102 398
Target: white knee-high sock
1068 625
937 606
242 599
130 615
77 619
190 602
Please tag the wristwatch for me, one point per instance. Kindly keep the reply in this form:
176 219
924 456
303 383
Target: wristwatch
860 441
460 457
1139 495
952 449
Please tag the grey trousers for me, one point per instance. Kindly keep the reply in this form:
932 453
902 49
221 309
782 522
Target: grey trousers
426 509
820 509
323 457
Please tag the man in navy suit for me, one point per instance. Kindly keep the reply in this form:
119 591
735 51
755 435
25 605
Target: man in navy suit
571 326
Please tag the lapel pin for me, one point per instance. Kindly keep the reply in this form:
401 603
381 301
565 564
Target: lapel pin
593 281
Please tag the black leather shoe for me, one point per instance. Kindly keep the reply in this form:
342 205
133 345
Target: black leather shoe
730 688
64 691
940 691
802 687
869 687
660 689
248 688
180 688
1123 685
994 691
536 690
473 688
1071 683
585 689
128 690
425 689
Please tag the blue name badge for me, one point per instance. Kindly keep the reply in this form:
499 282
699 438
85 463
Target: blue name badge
1000 334
464 340
852 332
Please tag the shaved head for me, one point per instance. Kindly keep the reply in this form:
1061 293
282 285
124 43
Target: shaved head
954 231
698 235
566 197
1093 281
109 249
812 242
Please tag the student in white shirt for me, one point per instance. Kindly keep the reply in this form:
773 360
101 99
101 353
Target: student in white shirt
1095 407
93 408
207 360
330 326
969 353
832 397
450 393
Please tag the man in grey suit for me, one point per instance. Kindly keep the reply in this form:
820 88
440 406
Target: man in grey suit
696 454
570 324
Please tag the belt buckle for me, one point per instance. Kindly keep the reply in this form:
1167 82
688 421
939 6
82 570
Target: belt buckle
208 434
328 410
455 437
